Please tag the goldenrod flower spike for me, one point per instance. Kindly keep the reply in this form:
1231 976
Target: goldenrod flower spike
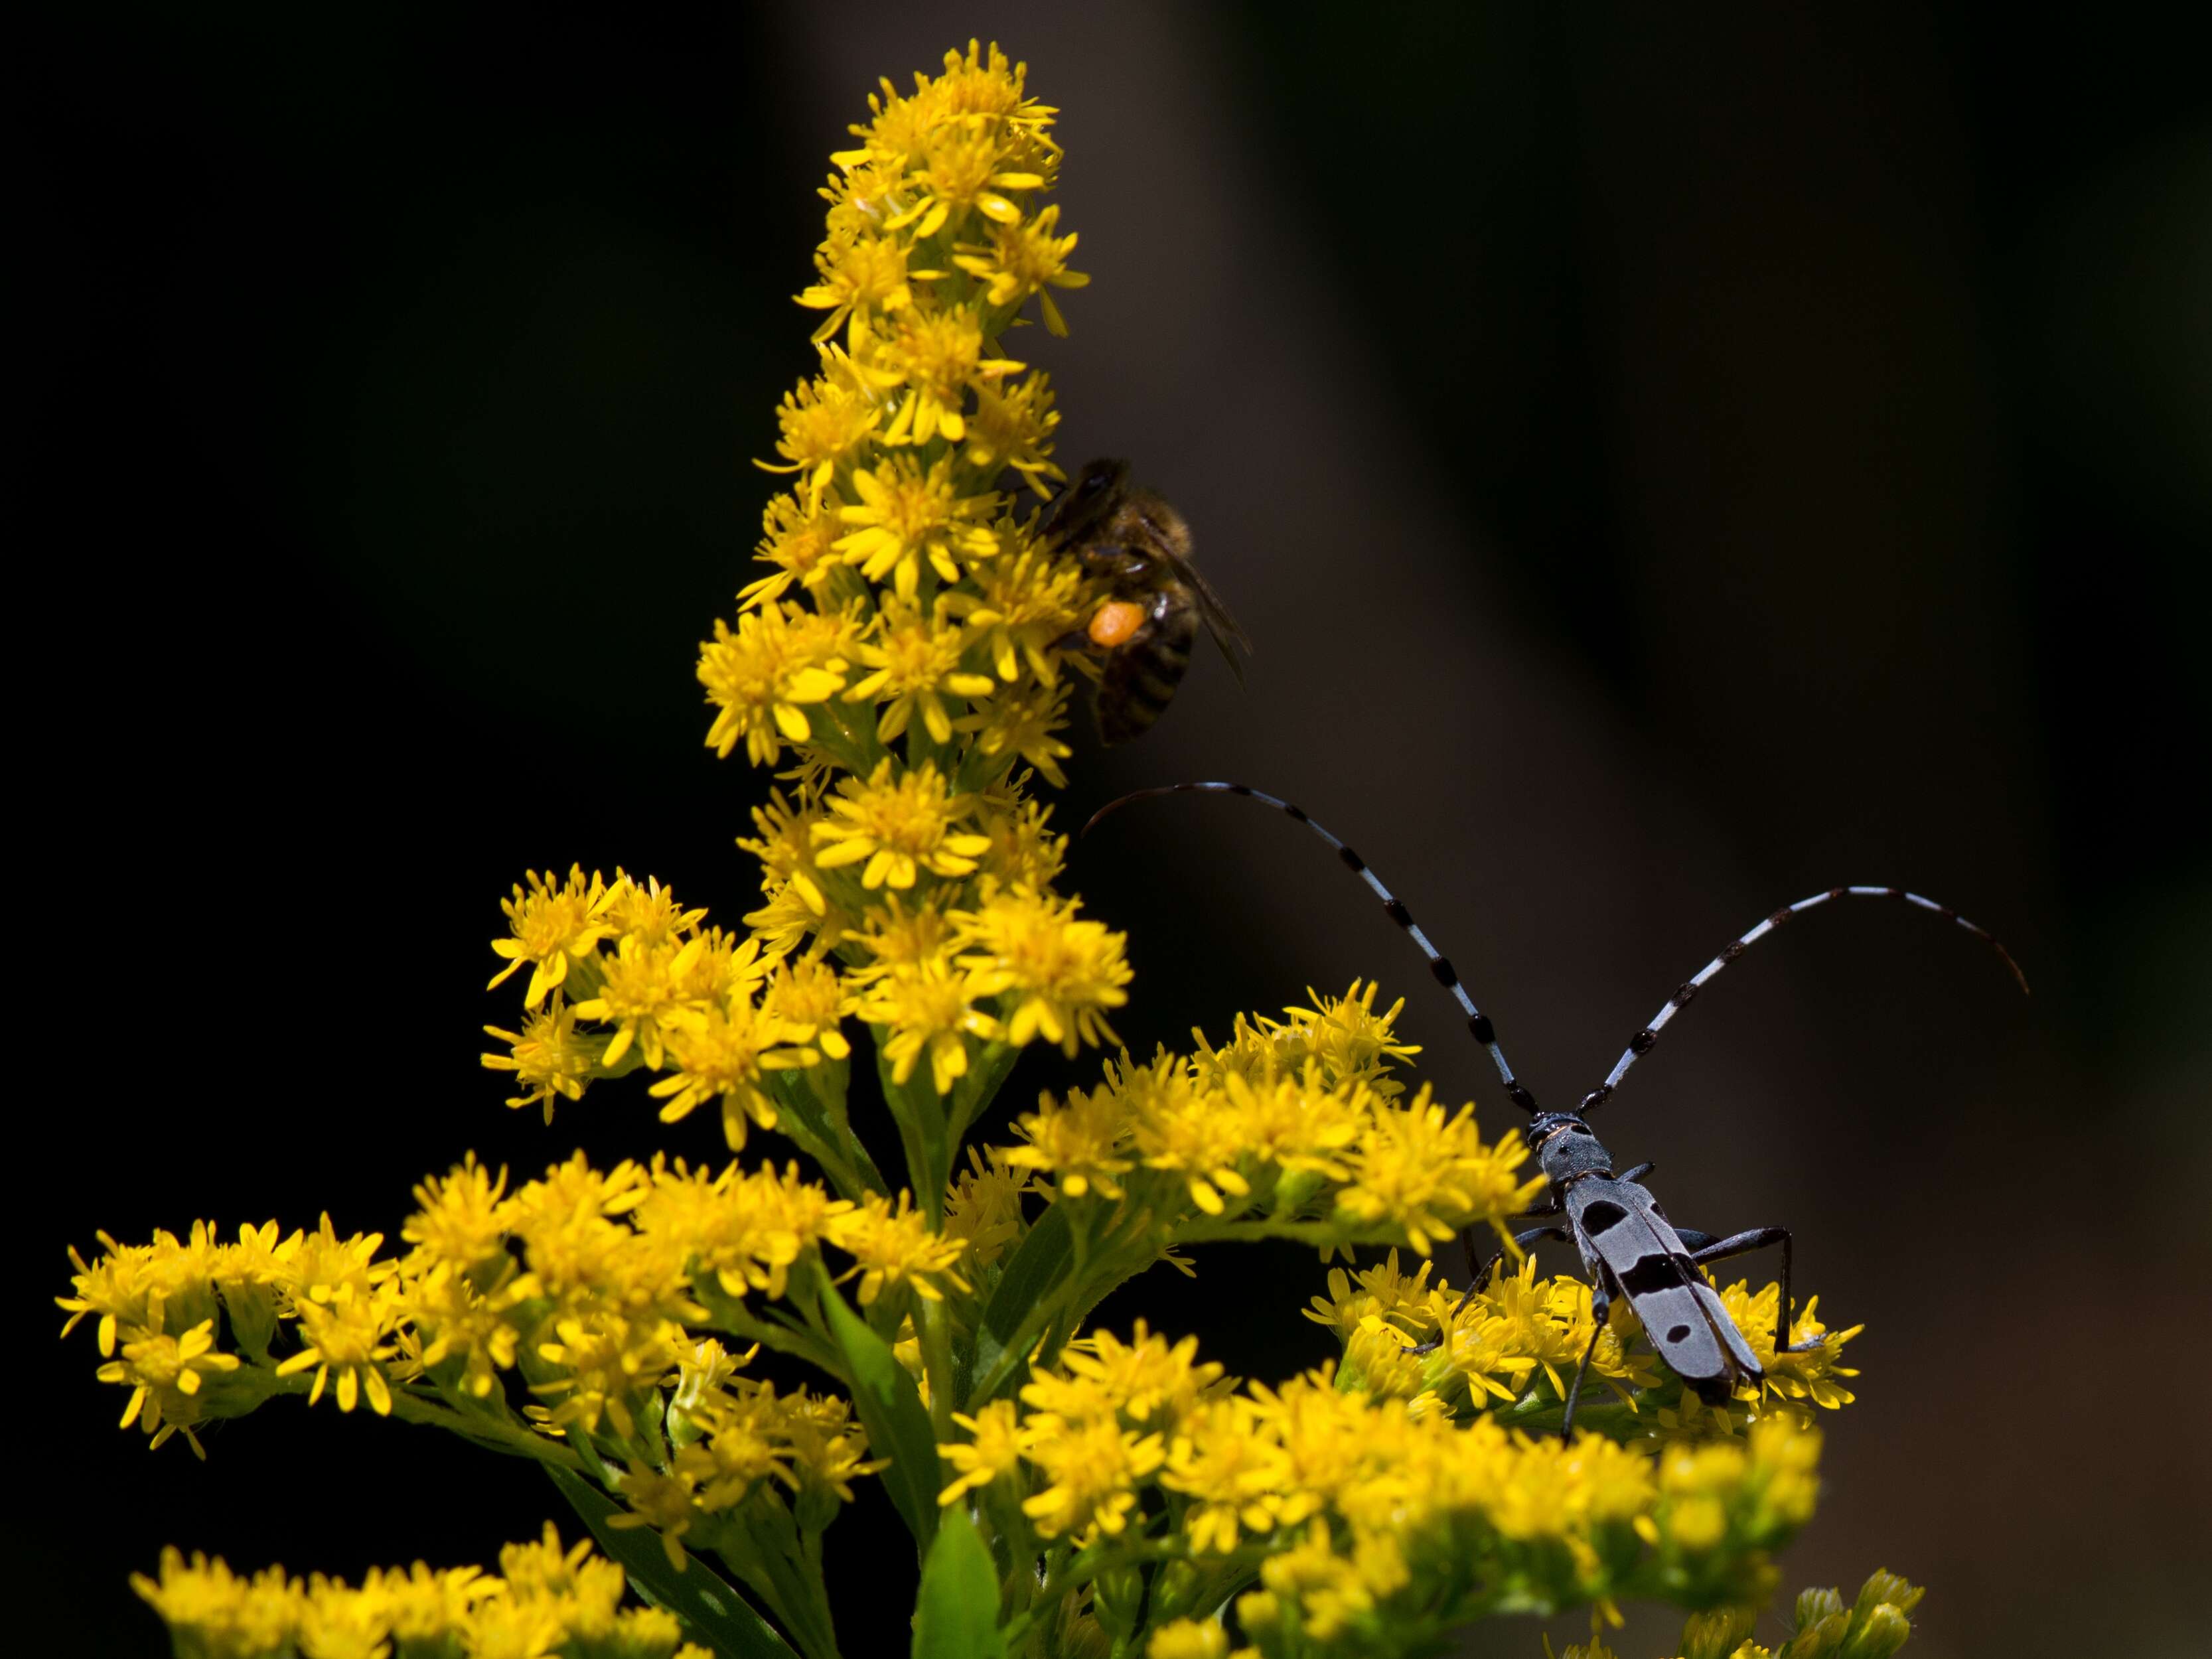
904 663
548 1601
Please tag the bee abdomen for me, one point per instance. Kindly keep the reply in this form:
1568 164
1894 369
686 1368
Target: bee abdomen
1140 678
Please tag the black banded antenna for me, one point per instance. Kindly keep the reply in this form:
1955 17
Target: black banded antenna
1641 1043
1440 969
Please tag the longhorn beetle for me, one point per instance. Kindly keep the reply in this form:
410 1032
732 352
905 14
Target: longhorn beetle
1628 1247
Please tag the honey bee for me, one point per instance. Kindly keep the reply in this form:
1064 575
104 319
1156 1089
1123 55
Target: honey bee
1155 600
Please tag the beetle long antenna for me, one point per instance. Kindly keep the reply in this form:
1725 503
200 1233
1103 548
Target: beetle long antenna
1478 1023
1641 1041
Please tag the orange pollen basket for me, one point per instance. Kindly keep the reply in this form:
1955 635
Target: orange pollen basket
1116 621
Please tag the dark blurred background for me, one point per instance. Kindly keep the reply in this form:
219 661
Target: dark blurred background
1669 466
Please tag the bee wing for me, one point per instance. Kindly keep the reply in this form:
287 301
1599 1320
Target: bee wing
1218 623
1680 1312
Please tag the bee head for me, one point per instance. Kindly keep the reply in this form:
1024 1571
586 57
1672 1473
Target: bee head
1098 479
1079 510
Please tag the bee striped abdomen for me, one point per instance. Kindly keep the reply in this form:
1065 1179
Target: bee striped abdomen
1141 678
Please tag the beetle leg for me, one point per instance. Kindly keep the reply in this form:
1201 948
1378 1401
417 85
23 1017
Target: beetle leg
1601 1305
1704 1248
1523 1240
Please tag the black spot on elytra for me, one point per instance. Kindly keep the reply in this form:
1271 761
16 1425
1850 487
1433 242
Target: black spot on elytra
1601 1215
1653 1272
1678 1333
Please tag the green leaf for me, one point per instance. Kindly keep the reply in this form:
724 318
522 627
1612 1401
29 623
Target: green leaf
711 1610
957 1614
891 1410
1043 1260
812 1100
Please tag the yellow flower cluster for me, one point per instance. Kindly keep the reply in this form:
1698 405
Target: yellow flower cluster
724 1016
731 1434
1345 1499
1294 1128
587 1282
626 958
1517 1340
908 644
544 1601
158 1306
1873 1627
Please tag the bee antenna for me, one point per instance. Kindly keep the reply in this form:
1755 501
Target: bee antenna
1478 1023
1641 1043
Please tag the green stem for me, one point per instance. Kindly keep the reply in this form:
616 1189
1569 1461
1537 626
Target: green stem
811 1107
1607 1415
919 1113
1048 1589
1211 1230
987 1074
1081 1288
834 1108
802 1597
727 1315
932 1326
486 1431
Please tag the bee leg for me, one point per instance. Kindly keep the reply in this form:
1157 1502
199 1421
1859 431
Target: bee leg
1482 1278
1116 563
1601 1305
1704 1248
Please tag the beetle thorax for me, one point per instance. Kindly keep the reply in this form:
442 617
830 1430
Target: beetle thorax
1566 1148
